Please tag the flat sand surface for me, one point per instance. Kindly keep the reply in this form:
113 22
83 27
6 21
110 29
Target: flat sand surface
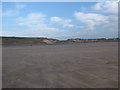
86 65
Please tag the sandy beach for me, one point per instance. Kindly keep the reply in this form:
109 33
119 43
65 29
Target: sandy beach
85 65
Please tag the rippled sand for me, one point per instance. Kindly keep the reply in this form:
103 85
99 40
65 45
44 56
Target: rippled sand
87 65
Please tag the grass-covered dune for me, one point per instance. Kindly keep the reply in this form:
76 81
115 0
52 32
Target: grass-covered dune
40 40
24 40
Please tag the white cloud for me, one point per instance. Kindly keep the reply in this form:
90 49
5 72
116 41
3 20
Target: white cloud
91 19
37 24
9 33
111 9
15 11
56 19
20 6
107 7
32 19
63 22
43 27
36 21
10 13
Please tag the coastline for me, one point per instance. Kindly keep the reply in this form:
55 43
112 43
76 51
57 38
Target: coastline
49 41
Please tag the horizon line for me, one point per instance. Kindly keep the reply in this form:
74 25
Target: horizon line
57 39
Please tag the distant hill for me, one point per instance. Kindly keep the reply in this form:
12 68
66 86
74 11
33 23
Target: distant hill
31 40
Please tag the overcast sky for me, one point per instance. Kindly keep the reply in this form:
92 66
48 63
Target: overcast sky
60 20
